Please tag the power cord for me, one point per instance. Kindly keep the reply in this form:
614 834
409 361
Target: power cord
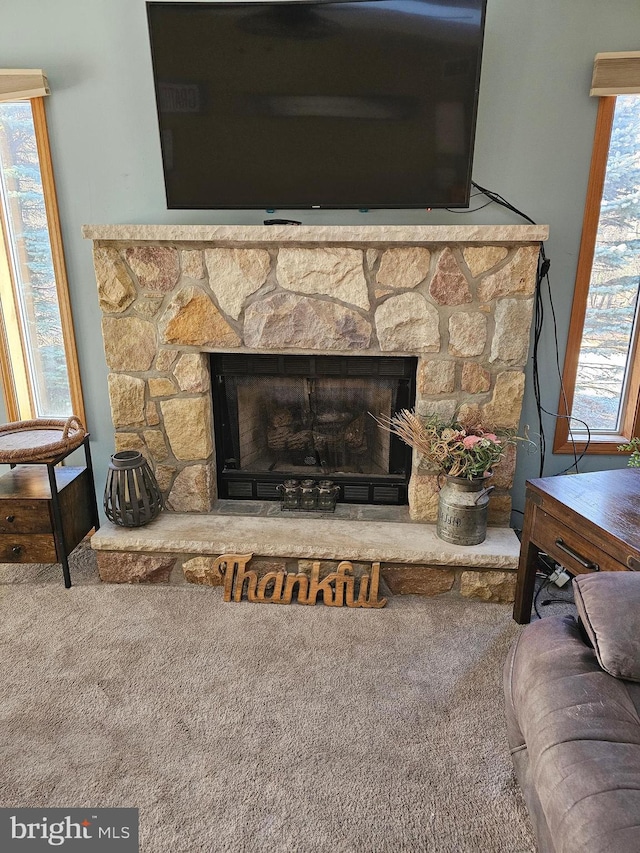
470 209
545 583
547 572
555 601
542 276
544 572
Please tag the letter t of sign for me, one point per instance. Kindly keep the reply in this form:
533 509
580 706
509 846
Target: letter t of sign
229 564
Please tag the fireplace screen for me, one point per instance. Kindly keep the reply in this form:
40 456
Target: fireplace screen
280 417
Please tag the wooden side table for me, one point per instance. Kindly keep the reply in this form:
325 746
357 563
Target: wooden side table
45 511
585 522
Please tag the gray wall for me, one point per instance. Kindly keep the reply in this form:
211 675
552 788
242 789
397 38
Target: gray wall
533 145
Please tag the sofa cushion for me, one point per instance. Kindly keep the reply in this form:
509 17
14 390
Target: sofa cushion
608 605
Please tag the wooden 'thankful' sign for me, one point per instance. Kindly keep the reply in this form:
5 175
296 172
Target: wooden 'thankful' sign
337 588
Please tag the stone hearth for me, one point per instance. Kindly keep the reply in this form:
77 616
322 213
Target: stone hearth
179 547
458 298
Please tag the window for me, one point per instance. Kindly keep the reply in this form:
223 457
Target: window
38 361
602 365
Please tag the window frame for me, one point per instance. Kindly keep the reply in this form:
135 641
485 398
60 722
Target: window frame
16 384
600 443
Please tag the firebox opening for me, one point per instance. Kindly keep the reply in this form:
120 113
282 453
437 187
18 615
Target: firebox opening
281 417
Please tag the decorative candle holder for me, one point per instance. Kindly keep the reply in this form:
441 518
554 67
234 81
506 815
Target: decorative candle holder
131 496
308 496
290 491
327 495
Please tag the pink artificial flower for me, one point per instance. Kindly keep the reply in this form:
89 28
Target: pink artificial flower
470 441
492 437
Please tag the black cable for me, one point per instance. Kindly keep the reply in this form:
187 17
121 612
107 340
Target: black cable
543 269
546 561
576 458
542 586
469 210
537 333
494 196
543 275
546 567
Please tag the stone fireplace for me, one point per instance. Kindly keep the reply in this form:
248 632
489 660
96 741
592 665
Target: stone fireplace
458 300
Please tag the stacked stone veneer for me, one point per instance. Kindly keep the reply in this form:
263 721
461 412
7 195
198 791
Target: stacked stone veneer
460 299
396 579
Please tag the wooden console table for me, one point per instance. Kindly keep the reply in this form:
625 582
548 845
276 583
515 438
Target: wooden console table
585 522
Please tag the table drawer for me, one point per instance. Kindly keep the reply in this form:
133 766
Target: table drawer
18 516
570 549
36 548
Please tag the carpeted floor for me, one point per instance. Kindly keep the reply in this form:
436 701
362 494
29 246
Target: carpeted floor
240 727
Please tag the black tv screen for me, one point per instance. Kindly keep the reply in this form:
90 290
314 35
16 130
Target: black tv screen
354 104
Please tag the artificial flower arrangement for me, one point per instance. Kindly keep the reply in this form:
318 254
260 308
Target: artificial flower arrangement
453 448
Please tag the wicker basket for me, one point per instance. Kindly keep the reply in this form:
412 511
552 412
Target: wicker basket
41 440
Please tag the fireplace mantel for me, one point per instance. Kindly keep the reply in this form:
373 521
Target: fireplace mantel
241 235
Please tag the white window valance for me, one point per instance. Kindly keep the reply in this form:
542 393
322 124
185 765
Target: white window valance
616 74
19 83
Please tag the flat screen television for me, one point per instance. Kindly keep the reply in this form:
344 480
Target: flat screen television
297 105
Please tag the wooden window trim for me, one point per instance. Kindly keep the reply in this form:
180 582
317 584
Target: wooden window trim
18 401
57 253
607 442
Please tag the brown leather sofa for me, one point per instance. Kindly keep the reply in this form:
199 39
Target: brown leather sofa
572 696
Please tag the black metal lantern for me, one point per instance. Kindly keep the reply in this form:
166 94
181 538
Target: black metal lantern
132 496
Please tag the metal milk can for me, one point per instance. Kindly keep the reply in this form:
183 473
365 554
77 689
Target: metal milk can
462 510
